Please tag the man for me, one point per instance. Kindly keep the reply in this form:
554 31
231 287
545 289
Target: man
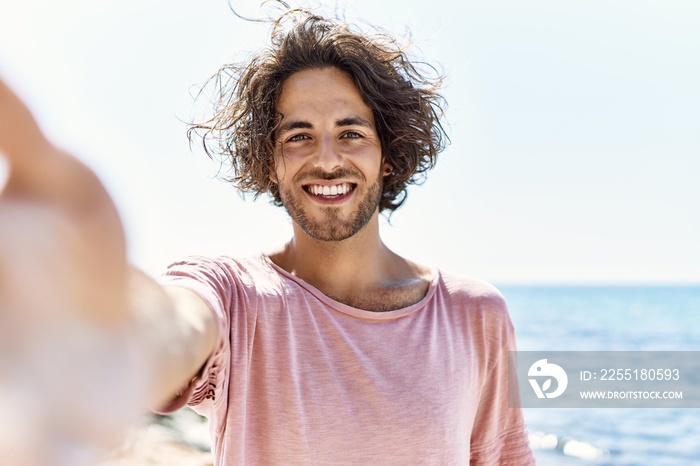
333 349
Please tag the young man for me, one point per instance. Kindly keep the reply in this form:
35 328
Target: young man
333 349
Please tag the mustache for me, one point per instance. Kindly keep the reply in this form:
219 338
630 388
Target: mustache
320 174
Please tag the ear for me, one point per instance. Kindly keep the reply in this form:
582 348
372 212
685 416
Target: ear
387 169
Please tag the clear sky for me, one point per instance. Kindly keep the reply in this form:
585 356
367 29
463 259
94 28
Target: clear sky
575 129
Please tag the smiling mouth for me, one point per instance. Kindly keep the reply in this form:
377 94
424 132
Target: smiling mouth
330 191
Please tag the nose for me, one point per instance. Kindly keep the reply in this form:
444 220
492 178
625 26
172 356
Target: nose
328 157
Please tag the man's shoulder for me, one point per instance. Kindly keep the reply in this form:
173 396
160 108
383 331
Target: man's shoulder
480 304
467 286
248 269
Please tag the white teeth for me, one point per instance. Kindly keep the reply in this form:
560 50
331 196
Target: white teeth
335 190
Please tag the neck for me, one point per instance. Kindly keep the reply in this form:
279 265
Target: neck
359 271
360 260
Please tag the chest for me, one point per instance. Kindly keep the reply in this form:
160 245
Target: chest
388 298
331 382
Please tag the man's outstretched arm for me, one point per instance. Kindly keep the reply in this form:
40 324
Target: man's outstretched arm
78 326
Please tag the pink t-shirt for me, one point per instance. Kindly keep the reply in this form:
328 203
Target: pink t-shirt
299 378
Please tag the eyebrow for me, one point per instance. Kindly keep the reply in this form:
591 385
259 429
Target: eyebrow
294 124
354 121
300 124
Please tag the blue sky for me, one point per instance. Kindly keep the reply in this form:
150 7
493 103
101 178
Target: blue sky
575 129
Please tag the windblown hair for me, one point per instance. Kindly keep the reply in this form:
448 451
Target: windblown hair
406 104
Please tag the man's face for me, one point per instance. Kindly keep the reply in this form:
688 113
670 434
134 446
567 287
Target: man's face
328 158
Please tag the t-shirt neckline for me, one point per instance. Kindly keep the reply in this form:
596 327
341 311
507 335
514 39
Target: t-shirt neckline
353 311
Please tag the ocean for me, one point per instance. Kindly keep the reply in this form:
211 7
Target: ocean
609 318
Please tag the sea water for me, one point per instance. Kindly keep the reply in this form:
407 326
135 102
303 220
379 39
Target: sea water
609 318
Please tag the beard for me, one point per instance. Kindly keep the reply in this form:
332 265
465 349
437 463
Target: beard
332 227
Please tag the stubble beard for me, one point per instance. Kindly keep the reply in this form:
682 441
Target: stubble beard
331 227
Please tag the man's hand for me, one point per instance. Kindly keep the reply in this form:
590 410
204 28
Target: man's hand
55 209
64 350
86 343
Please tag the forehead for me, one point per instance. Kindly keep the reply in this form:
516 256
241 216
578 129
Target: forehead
320 91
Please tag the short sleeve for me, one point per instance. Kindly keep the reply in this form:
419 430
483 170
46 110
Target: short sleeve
499 436
214 283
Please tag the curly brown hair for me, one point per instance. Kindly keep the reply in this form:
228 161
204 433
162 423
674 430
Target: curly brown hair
405 101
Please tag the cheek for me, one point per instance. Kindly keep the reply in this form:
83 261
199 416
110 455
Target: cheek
372 166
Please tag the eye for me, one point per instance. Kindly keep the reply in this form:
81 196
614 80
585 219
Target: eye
297 137
351 135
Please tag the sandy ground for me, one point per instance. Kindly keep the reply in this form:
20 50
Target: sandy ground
181 439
